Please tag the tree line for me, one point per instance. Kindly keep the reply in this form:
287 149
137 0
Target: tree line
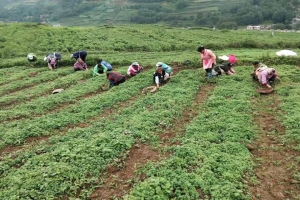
252 12
228 16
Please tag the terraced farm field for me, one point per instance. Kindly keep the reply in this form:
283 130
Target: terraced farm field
188 140
192 139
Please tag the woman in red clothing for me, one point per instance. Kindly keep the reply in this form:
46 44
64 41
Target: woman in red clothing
115 78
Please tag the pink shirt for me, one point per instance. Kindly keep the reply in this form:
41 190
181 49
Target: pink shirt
80 66
53 61
133 70
209 58
263 76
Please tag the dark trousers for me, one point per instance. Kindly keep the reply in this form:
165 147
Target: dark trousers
120 81
271 80
209 70
83 58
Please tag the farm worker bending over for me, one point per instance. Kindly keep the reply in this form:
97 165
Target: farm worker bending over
101 67
115 78
52 63
232 59
80 65
166 68
267 76
52 60
79 54
134 69
225 68
159 76
209 60
31 57
257 67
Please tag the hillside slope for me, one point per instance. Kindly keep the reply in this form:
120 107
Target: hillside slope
222 14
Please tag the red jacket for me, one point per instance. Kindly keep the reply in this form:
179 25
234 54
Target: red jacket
115 77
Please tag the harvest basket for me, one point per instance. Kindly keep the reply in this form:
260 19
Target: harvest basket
265 91
150 89
105 87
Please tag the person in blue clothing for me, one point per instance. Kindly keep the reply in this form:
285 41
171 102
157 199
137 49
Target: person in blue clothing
102 67
79 54
166 68
162 73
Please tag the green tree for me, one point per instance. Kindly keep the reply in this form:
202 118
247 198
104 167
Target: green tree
181 5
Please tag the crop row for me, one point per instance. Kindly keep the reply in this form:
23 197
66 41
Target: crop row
244 56
148 38
12 74
75 159
15 132
24 95
73 81
31 81
72 96
212 159
289 94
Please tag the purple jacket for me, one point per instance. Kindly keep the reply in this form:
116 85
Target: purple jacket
264 76
80 66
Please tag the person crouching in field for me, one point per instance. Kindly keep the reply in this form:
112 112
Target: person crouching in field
166 68
79 54
52 63
159 76
115 78
208 59
225 68
52 60
31 57
102 67
257 67
80 65
134 69
267 76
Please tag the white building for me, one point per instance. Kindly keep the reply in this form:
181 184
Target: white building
253 27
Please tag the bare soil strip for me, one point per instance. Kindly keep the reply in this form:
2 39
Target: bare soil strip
118 182
274 158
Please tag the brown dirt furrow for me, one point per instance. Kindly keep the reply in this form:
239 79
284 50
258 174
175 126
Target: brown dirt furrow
273 156
118 182
19 89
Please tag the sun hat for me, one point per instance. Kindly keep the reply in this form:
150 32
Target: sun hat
232 59
71 56
45 59
135 63
30 57
159 64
